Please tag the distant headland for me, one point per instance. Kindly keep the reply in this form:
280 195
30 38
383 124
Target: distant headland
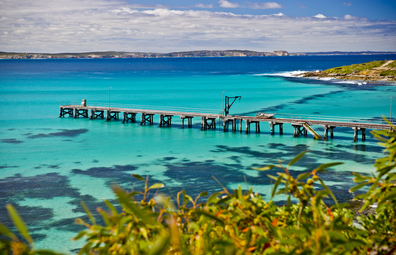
187 54
382 70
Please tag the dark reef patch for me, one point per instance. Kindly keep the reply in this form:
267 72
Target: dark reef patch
303 100
11 140
114 175
64 132
47 186
95 161
5 166
32 215
169 158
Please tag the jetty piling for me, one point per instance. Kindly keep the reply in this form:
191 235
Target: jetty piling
146 118
112 115
129 116
189 120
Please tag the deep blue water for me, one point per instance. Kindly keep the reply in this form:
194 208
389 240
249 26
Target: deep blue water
49 164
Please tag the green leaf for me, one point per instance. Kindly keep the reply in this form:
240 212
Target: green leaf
111 207
288 241
105 218
45 252
133 193
132 208
5 231
213 198
156 186
19 223
357 187
79 235
303 176
240 196
277 182
297 158
359 178
391 194
160 244
203 194
200 212
264 168
328 190
327 165
91 218
341 205
138 177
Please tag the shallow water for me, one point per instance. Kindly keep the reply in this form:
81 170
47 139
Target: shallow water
49 164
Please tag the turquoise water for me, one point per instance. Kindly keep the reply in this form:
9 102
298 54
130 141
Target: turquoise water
49 164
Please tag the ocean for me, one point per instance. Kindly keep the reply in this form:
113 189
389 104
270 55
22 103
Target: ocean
48 165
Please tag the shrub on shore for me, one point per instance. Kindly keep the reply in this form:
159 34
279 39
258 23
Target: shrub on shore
238 222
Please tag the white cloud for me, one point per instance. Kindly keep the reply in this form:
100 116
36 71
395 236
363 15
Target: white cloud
204 5
347 3
226 4
101 25
267 5
320 16
350 17
279 14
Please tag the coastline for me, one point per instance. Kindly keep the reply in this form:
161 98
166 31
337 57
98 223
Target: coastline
188 54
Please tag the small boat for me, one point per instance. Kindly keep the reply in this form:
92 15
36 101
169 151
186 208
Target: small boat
265 115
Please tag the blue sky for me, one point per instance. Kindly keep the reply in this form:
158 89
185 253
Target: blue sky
168 26
371 9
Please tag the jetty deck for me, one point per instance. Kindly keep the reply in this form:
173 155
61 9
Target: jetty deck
302 124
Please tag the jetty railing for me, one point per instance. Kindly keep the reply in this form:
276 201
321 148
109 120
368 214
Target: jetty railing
144 107
333 119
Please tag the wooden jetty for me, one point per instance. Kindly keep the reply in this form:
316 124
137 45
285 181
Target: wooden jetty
302 125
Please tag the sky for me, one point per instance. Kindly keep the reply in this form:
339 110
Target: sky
58 26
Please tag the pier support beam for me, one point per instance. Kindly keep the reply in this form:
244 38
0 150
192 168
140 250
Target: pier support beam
208 123
80 112
112 115
129 116
326 132
96 114
356 132
165 120
247 126
63 111
299 130
234 124
189 120
146 118
331 132
257 124
273 125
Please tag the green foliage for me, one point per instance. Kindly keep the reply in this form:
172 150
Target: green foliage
356 68
388 72
241 222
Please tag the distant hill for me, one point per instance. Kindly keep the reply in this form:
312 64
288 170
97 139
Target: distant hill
187 54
